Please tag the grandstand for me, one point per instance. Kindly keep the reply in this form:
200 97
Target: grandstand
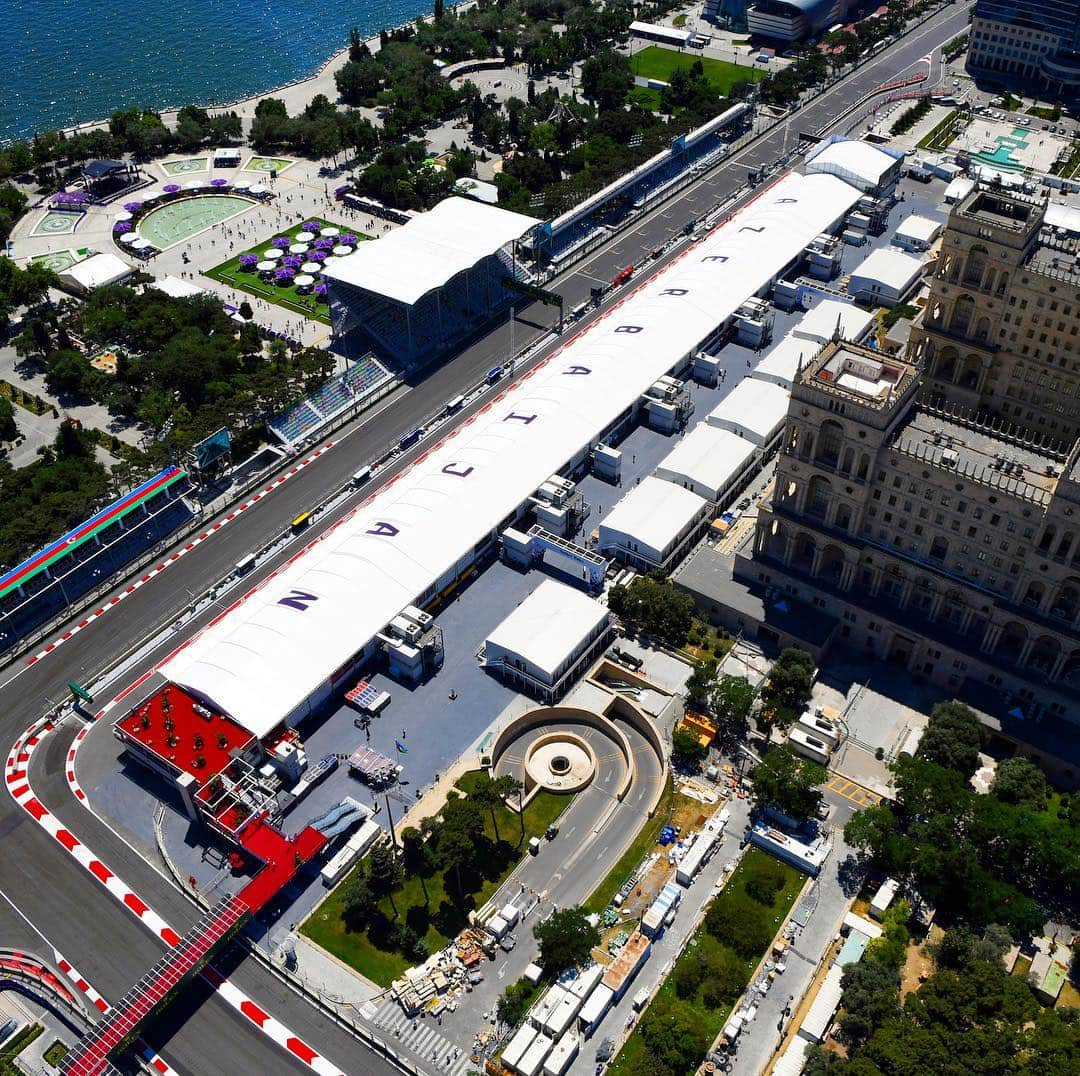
41 586
557 239
422 287
302 420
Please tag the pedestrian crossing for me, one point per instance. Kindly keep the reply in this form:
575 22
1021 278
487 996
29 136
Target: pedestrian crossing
852 791
433 1051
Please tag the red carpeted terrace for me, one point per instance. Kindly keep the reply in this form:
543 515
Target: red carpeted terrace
283 858
184 734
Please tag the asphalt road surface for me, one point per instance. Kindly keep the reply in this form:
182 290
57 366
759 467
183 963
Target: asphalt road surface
76 914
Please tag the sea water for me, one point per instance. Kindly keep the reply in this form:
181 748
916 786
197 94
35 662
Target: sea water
70 61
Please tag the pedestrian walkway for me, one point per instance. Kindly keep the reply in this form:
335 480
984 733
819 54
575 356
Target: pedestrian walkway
850 790
422 1038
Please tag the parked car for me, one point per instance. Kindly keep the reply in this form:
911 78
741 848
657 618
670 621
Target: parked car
624 657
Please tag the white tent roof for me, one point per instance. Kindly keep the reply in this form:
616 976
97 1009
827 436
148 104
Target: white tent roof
861 161
891 269
549 625
264 659
97 271
821 320
959 189
781 364
1065 217
653 514
706 456
924 229
756 409
177 288
431 249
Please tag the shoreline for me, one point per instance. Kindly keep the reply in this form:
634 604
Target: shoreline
168 113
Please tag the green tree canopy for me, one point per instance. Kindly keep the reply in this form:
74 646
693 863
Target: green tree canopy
566 938
952 738
789 782
1017 780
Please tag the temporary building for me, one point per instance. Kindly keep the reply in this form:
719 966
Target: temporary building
885 277
430 249
916 233
816 1023
868 167
958 190
548 632
651 522
753 409
832 317
709 461
535 1056
281 650
884 897
595 1008
516 1047
586 982
793 1060
562 1054
176 288
95 272
782 363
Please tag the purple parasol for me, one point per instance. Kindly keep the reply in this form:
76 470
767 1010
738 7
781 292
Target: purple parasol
324 244
171 188
317 256
219 182
249 261
293 261
320 290
122 226
282 242
348 239
133 207
310 226
284 276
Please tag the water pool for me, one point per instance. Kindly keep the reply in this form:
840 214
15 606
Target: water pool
180 220
56 222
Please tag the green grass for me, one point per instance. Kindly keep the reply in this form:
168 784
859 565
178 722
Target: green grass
1052 114
658 63
602 895
679 20
646 98
229 272
15 1045
442 917
55 1053
634 1055
943 133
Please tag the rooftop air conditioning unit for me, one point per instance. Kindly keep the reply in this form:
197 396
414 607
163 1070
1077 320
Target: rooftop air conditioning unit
950 457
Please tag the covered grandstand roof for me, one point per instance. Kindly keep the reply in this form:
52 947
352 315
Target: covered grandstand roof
407 263
264 659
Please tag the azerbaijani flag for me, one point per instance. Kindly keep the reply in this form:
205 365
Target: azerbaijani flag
401 747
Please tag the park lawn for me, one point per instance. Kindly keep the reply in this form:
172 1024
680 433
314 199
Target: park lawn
647 836
646 98
229 272
55 1053
439 919
657 62
634 1053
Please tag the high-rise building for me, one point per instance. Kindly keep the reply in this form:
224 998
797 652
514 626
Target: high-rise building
1033 40
926 509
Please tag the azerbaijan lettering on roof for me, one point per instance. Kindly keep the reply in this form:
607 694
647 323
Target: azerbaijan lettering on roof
56 551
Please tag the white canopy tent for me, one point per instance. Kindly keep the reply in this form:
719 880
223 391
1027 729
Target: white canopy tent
95 272
823 319
283 643
753 409
708 461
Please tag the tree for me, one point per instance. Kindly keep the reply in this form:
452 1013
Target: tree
791 678
359 902
384 872
515 1001
566 938
700 683
675 1035
456 852
952 738
245 310
789 782
732 700
486 795
8 429
1018 780
871 995
687 745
